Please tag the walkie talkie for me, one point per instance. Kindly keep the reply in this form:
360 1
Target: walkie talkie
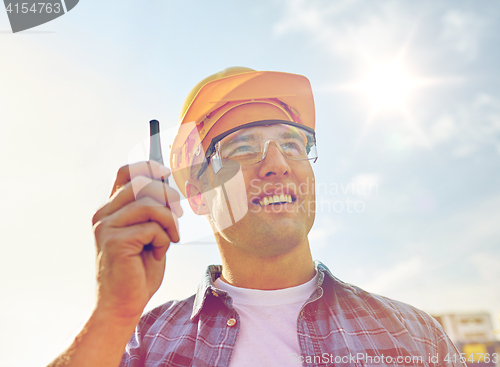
154 155
155 145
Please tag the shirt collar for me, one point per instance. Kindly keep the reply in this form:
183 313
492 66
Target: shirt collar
208 289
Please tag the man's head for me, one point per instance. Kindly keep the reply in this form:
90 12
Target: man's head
244 139
280 96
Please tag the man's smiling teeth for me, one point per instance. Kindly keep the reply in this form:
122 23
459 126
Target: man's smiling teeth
273 199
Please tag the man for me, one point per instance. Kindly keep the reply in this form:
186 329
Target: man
242 158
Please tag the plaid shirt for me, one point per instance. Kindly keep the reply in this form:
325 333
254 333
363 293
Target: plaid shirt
339 325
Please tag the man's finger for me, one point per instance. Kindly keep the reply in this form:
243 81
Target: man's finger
145 210
138 188
150 169
137 236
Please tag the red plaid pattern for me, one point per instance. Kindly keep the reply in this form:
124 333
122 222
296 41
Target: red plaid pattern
339 325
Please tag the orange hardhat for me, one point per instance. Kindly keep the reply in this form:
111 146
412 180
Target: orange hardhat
219 93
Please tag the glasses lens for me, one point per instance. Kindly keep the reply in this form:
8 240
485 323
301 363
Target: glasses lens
246 146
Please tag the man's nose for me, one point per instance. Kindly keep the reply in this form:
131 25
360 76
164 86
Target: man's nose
274 162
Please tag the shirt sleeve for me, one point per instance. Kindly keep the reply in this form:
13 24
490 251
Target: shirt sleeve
132 356
447 354
135 351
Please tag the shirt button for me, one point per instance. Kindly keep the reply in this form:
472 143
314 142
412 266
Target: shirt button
231 322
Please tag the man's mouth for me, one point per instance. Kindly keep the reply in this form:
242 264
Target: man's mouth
274 200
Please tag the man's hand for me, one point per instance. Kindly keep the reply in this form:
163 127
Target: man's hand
133 232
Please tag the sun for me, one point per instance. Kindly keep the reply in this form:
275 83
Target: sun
387 86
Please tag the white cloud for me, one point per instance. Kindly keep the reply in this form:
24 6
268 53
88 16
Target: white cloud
442 129
472 230
361 32
477 124
395 276
320 235
348 28
317 234
468 126
455 265
463 151
366 184
487 265
462 32
483 100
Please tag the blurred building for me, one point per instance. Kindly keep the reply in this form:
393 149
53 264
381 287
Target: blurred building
473 335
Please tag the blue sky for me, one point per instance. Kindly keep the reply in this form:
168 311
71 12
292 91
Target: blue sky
76 95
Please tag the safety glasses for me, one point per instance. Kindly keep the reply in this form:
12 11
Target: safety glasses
249 144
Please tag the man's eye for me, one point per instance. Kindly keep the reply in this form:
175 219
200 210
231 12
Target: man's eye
292 146
241 150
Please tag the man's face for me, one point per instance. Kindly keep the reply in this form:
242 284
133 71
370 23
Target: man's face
265 208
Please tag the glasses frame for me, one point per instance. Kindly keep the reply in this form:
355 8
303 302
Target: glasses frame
212 148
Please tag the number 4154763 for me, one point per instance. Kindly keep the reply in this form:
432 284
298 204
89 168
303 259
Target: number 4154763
35 8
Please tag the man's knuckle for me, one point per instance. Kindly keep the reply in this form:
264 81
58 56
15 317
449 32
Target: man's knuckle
154 227
111 240
138 183
140 179
99 227
144 203
123 170
95 218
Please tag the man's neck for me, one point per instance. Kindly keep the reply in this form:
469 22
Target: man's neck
246 270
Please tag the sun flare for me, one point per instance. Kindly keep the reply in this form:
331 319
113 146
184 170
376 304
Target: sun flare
387 86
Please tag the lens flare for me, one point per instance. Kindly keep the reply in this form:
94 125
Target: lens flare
387 86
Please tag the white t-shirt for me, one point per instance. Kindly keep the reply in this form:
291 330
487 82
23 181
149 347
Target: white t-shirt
268 324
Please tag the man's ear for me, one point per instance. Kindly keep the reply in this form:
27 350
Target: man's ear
194 190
